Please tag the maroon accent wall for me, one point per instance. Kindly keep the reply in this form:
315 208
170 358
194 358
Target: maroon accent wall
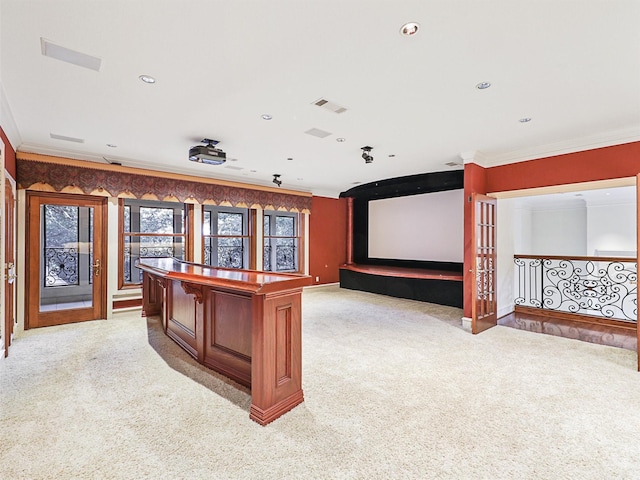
618 161
327 238
475 181
9 155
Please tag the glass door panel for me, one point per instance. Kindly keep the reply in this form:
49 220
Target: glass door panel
67 257
66 275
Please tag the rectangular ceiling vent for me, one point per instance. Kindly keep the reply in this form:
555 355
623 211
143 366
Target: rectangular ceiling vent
316 132
334 107
55 136
70 56
453 164
233 167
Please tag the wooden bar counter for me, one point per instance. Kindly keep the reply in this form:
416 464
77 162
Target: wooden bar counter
244 324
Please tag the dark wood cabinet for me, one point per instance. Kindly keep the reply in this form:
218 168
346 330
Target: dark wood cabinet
243 324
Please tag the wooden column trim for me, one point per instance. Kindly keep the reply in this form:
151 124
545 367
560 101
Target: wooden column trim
253 241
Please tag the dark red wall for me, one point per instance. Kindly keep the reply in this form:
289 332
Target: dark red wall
9 155
327 238
618 161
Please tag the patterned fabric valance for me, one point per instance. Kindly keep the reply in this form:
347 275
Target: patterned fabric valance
37 175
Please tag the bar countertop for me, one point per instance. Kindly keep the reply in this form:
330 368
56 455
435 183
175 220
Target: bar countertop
253 281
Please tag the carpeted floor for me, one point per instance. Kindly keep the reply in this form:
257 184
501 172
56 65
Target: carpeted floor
393 389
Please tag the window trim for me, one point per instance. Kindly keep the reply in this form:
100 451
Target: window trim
299 227
248 236
186 235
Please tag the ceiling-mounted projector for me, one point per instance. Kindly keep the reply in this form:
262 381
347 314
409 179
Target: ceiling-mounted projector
208 153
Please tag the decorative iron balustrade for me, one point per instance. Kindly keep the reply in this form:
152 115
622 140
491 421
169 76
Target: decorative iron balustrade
599 286
61 266
228 256
285 258
266 261
145 252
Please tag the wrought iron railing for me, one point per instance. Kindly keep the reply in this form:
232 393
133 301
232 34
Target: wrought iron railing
228 256
598 286
285 258
145 252
61 266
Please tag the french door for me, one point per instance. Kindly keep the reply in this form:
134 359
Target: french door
65 259
9 262
484 307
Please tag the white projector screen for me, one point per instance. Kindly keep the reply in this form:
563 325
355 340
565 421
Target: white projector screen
418 227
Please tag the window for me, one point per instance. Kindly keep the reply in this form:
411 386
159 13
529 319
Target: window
281 241
149 229
225 237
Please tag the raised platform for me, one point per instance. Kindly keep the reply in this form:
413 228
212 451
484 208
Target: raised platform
442 287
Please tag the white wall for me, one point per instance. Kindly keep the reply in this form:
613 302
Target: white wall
509 228
559 229
611 229
522 225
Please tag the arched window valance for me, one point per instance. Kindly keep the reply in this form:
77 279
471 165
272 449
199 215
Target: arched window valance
34 174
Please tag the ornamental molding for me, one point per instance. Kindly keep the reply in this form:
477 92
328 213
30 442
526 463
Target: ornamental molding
53 176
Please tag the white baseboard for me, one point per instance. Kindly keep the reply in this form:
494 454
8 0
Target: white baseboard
466 324
502 311
323 285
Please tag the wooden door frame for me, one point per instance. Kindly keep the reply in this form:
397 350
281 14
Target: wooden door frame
637 255
9 265
32 244
6 334
490 319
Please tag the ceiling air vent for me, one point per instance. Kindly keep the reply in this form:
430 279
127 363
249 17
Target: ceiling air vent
316 132
453 164
333 107
55 136
65 54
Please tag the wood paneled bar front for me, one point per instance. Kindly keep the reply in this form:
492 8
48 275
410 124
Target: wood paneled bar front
244 324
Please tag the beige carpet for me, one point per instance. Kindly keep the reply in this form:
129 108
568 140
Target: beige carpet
393 389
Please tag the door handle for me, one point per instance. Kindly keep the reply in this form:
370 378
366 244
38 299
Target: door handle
96 268
10 275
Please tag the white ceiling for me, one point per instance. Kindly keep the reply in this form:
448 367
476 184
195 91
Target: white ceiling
573 67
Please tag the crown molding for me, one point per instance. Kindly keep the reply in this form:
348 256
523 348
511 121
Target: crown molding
8 122
579 144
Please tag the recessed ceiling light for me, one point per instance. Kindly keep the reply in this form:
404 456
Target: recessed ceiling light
525 120
266 116
147 79
299 178
340 139
409 29
483 85
111 145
